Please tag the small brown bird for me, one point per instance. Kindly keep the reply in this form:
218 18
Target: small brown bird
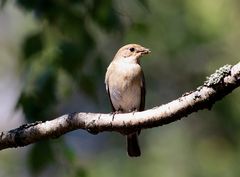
125 86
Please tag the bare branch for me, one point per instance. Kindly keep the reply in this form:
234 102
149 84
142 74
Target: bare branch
218 85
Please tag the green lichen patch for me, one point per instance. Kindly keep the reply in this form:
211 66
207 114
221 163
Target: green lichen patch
218 76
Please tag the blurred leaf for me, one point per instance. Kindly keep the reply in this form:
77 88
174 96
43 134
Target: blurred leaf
87 84
99 67
29 5
227 123
37 103
41 155
70 158
80 172
33 45
74 52
2 3
67 151
29 107
144 3
47 9
70 58
104 14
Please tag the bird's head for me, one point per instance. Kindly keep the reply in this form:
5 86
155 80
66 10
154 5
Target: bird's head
131 52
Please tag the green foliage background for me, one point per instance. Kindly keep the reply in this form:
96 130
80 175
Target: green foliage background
62 61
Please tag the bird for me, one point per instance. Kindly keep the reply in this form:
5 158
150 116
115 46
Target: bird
125 86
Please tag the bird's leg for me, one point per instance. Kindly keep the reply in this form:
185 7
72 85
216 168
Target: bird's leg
116 112
133 111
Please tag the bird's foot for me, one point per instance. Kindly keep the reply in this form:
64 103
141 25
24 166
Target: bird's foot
114 113
133 111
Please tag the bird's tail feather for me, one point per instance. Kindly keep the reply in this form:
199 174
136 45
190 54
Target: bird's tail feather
133 146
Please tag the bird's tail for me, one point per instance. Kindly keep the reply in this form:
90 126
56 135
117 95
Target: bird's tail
133 146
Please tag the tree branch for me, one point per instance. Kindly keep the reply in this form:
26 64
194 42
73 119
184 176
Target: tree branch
218 85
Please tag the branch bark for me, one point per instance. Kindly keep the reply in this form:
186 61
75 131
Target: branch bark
218 85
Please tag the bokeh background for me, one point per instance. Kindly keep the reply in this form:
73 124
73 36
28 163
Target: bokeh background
53 58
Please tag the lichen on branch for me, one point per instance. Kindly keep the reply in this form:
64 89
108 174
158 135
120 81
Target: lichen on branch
217 86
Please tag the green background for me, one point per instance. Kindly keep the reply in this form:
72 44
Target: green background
53 59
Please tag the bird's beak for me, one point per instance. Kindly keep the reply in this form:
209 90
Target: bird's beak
143 51
146 51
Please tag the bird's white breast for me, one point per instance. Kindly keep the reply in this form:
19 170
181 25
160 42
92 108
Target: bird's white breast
125 85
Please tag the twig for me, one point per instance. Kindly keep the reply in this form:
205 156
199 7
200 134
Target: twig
218 85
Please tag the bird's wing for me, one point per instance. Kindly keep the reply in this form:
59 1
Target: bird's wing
109 96
143 93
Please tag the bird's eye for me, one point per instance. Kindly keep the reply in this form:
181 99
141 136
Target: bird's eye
132 49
